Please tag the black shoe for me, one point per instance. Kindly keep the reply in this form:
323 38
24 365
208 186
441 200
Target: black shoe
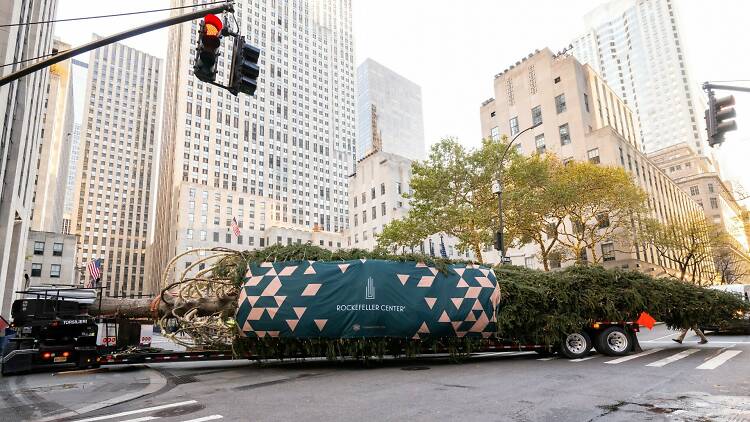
703 342
677 341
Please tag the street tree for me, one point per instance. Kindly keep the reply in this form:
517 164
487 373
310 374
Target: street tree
534 203
732 265
451 193
598 204
686 242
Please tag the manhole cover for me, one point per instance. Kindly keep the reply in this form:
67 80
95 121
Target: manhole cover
415 368
183 379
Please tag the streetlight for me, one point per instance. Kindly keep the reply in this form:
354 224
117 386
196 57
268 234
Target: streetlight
497 189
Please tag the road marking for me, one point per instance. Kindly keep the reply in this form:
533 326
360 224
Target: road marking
677 356
709 342
583 359
205 418
133 412
714 363
145 418
635 356
659 338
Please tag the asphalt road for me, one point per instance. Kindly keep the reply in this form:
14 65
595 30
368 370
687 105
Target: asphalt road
668 381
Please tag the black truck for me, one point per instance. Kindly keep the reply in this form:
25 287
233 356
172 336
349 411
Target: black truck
52 330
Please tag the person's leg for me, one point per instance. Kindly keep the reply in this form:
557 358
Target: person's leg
681 336
700 334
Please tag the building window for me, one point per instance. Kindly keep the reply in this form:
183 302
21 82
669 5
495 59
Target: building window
54 271
189 233
586 102
540 146
560 103
564 134
536 115
372 193
216 236
356 220
714 202
528 262
602 220
382 209
355 202
513 126
398 188
593 155
557 80
382 188
710 188
374 213
38 248
694 190
495 133
608 251
36 270
57 249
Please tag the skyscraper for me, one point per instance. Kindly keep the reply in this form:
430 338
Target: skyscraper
54 150
389 113
21 111
278 161
636 47
115 165
79 71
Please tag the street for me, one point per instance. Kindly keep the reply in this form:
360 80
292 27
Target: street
668 381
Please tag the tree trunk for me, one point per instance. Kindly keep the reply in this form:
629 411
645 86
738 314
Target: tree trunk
141 308
478 252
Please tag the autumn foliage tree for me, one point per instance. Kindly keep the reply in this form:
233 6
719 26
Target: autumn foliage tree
451 194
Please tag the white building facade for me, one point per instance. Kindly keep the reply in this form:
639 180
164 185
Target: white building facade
115 168
277 162
22 107
635 46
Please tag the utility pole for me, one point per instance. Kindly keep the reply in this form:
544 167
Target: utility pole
226 7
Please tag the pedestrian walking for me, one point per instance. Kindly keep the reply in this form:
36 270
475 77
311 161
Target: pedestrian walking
697 330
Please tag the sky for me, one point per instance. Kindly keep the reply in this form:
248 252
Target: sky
453 49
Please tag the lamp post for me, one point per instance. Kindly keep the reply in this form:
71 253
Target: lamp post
497 189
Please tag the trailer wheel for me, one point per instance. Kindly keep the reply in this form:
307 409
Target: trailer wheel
613 341
576 345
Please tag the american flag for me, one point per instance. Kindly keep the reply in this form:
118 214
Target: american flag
235 227
95 271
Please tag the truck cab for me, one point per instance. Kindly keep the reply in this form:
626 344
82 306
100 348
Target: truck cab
52 330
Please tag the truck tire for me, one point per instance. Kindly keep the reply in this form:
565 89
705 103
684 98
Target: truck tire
613 341
576 345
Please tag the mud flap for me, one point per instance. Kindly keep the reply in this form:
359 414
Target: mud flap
634 341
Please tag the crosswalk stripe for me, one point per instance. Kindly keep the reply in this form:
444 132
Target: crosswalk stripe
635 356
133 412
583 359
677 356
205 418
143 419
717 361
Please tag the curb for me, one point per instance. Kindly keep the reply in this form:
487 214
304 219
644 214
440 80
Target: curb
156 382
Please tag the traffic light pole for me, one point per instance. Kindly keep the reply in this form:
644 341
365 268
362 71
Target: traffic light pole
226 7
710 86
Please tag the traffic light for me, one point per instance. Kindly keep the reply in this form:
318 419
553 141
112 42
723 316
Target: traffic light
499 245
244 73
207 50
718 118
